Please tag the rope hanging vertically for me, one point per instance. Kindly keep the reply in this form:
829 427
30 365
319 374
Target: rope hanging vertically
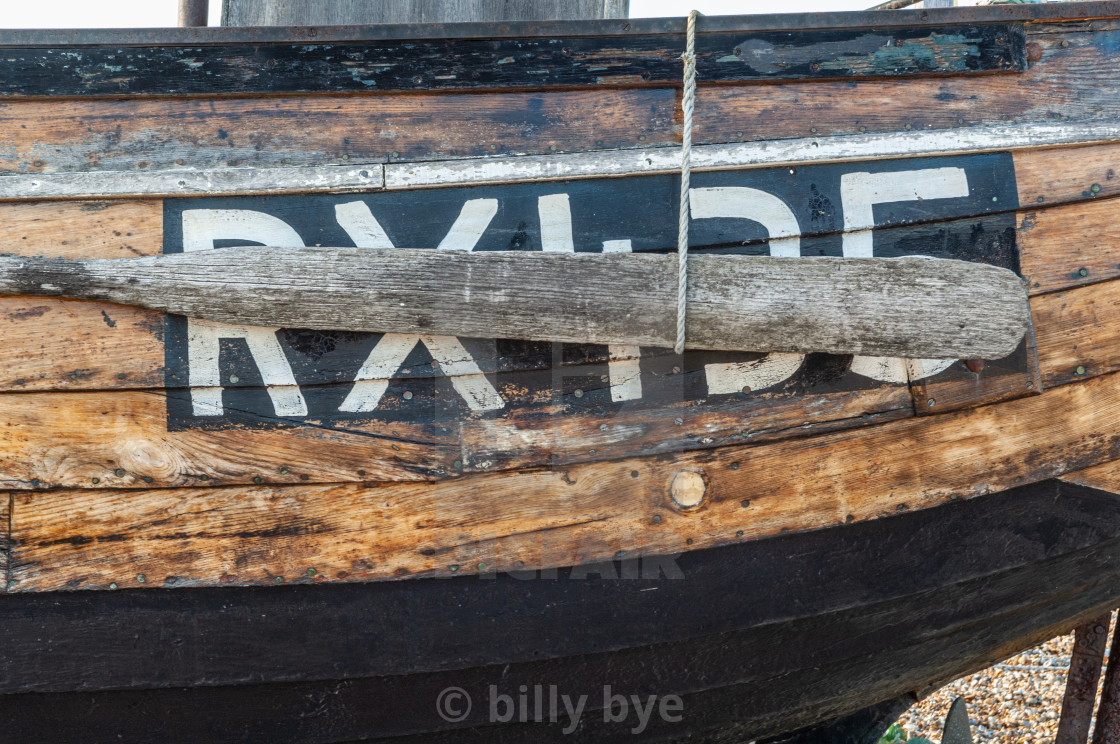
688 102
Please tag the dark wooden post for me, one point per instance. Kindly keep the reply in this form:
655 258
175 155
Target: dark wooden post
194 12
339 12
1089 641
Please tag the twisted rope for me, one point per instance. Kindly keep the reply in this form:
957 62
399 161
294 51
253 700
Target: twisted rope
688 103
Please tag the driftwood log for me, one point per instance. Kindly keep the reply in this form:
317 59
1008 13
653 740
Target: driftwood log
901 307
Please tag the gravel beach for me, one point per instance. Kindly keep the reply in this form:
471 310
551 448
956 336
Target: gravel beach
1017 700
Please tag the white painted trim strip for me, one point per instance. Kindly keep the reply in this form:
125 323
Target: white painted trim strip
331 178
212 182
771 153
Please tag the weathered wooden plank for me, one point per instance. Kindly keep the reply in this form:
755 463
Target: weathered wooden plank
420 428
1049 89
1104 477
236 635
1054 176
1070 245
560 436
1078 332
88 344
5 539
545 518
337 12
1052 536
974 382
89 440
64 345
440 64
179 136
93 229
151 135
895 307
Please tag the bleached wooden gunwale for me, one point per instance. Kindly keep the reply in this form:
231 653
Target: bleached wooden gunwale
558 167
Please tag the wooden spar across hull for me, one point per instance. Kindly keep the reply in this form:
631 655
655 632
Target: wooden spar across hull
284 527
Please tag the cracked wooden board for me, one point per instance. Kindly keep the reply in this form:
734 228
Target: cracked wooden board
556 516
121 439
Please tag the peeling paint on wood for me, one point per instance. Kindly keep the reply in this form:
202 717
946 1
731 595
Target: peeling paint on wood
426 65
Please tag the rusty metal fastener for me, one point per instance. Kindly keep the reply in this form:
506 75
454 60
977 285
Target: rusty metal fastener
975 366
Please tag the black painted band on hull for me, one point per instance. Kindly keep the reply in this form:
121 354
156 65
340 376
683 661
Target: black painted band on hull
754 639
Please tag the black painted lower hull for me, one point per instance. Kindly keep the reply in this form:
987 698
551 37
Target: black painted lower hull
754 639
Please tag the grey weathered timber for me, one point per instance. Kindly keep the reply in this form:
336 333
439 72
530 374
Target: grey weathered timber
338 12
901 307
193 12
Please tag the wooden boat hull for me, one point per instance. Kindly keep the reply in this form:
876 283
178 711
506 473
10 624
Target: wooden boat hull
218 532
756 638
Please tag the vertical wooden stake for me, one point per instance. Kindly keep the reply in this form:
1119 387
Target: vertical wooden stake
193 12
1108 714
1081 685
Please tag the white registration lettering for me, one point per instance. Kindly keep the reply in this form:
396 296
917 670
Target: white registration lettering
739 202
859 193
201 229
372 380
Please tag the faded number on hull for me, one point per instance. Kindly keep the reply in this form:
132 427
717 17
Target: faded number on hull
958 207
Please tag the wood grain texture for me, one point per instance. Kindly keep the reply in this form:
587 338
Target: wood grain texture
340 12
1034 553
89 344
895 307
1048 90
142 135
1104 477
533 438
1078 332
82 229
984 382
1048 176
562 516
733 682
66 345
146 135
1069 245
5 541
123 440
58 439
